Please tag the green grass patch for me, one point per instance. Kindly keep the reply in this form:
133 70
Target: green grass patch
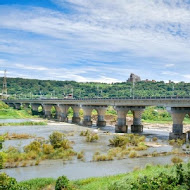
178 174
39 183
11 113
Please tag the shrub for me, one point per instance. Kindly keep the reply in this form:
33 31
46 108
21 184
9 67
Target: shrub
47 148
92 137
154 139
84 133
65 144
176 160
119 141
132 154
33 146
152 178
62 183
2 159
9 183
102 157
80 155
171 142
56 139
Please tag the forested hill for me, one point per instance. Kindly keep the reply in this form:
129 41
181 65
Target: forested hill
47 88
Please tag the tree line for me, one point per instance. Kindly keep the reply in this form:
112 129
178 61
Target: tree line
27 88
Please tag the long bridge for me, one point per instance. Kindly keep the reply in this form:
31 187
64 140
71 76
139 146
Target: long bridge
178 107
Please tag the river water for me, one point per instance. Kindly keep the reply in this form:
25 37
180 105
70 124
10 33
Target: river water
76 169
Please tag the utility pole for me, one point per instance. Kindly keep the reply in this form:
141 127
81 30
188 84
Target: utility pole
133 89
72 91
4 90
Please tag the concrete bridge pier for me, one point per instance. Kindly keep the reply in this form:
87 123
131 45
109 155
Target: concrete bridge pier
101 115
178 115
137 126
25 105
34 108
11 105
61 112
121 126
76 118
17 106
47 110
87 115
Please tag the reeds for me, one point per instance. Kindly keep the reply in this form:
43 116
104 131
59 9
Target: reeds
176 160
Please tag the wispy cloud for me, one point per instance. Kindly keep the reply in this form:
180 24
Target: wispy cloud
169 65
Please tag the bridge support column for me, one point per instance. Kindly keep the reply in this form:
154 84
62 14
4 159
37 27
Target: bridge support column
11 105
121 126
101 114
26 105
17 106
34 108
178 115
76 118
87 115
137 127
61 112
47 110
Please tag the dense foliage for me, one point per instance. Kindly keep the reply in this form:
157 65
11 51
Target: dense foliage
9 183
175 179
62 183
18 87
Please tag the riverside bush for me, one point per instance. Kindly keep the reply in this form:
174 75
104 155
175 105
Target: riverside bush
119 141
9 183
62 183
47 148
175 178
84 133
176 160
92 137
40 149
56 139
33 146
128 139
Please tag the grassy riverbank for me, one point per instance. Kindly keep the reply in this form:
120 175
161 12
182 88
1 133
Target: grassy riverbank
152 177
9 113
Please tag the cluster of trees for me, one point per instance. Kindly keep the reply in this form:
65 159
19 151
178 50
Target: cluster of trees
18 87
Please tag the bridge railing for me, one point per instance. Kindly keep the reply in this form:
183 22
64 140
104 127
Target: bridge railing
124 98
115 98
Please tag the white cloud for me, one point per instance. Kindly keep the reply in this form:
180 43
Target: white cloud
169 65
170 73
134 29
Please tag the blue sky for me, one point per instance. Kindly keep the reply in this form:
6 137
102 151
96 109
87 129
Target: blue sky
99 40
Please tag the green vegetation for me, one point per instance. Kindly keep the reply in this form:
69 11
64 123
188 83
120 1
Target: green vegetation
10 136
24 123
9 113
2 154
169 177
62 183
39 183
9 183
121 146
176 177
40 149
18 87
90 136
176 160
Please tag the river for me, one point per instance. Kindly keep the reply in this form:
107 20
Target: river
76 169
